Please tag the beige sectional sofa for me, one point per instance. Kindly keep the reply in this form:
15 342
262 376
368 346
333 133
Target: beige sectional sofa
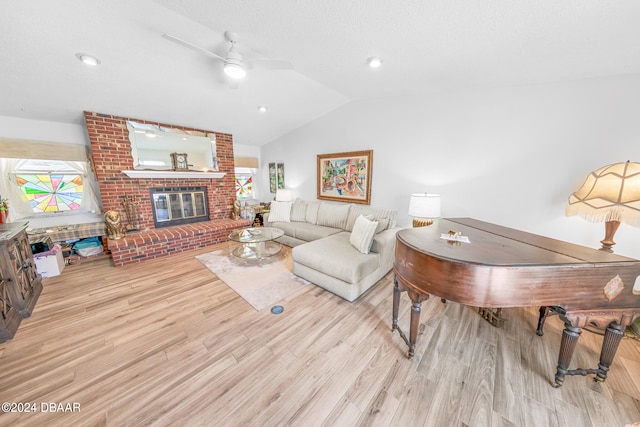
327 251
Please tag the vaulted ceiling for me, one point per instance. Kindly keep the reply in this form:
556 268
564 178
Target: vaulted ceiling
426 46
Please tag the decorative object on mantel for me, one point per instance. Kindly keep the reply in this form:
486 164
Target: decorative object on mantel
611 195
130 206
179 162
113 225
424 208
345 177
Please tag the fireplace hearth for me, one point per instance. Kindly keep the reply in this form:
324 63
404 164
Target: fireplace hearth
178 205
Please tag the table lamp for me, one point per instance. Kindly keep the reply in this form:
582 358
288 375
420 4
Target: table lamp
283 195
423 207
611 195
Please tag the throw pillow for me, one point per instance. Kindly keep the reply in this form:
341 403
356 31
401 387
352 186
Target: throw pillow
362 234
383 223
333 215
312 212
298 211
280 212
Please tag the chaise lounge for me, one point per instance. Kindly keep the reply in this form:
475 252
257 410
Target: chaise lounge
343 248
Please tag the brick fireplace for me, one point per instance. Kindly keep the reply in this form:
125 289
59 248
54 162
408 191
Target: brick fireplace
111 155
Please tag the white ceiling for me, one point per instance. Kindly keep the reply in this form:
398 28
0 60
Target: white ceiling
426 45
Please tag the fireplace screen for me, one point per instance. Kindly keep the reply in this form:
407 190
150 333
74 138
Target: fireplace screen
179 205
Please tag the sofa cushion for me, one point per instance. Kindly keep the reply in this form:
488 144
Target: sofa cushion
309 232
298 211
280 212
377 214
312 212
333 215
362 234
334 256
289 228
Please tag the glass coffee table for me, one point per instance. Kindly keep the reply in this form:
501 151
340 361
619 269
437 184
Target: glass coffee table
256 243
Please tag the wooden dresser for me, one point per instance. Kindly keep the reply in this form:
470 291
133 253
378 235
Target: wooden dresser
20 284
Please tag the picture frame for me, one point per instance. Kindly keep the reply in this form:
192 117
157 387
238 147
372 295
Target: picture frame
272 178
345 177
276 177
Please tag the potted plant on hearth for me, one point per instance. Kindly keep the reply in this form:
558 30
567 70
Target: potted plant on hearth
4 209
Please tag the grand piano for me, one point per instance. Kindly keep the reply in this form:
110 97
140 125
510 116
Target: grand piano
503 267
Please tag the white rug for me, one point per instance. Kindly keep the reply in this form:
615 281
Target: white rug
261 283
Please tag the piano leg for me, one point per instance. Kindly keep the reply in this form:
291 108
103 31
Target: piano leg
612 337
543 316
396 305
570 337
416 306
546 312
414 326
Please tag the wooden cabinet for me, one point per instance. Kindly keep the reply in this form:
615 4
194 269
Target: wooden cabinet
20 284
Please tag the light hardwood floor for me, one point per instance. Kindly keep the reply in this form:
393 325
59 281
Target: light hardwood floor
167 343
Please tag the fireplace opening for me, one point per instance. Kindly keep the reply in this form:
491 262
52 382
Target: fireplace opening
179 205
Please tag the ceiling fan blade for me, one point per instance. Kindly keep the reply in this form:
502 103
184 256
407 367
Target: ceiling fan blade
269 64
191 46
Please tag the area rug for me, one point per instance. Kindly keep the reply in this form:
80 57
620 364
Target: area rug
261 283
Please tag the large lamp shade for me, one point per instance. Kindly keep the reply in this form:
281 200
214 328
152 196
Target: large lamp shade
610 194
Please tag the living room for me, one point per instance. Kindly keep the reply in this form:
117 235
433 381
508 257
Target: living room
505 140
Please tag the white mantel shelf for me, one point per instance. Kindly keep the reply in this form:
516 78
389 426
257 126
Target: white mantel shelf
173 174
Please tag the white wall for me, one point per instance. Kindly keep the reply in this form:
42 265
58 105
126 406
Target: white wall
510 156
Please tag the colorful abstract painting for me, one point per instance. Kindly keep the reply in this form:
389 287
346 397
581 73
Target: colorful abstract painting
52 192
345 176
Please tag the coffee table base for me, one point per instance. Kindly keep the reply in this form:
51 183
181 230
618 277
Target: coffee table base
257 250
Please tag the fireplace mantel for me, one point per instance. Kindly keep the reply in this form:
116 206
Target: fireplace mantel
172 174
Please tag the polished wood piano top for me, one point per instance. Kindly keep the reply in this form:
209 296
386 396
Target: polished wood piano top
504 267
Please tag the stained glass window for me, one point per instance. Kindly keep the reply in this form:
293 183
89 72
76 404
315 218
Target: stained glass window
244 186
52 192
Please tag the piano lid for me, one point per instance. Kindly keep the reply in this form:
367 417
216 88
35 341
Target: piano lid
495 245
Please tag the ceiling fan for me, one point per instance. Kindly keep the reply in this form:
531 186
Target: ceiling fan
234 65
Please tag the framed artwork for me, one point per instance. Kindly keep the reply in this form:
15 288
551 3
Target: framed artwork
276 177
345 177
272 178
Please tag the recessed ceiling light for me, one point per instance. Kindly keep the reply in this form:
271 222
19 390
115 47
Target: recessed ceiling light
262 109
374 62
88 59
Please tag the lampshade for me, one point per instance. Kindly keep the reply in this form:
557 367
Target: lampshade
611 193
424 205
283 196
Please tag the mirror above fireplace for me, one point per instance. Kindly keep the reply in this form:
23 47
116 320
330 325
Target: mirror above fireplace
152 147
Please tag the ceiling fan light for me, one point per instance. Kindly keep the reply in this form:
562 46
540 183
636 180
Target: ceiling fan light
234 70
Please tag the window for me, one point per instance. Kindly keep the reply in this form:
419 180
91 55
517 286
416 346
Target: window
50 187
52 192
244 186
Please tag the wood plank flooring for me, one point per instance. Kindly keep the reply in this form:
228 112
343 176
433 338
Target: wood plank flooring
167 343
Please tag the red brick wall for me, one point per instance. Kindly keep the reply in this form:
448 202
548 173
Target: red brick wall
111 154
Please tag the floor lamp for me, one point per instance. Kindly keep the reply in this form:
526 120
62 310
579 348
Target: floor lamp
611 195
